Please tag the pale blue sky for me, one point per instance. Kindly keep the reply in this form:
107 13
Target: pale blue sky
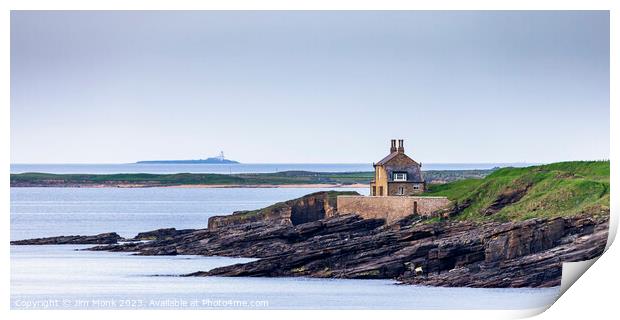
99 87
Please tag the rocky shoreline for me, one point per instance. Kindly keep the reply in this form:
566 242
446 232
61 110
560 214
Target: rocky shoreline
484 238
103 238
413 251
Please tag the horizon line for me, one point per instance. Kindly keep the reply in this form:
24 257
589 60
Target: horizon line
295 163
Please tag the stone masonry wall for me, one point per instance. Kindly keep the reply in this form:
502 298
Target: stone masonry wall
407 188
389 208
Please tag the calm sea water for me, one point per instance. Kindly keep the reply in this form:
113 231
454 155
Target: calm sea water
59 277
44 212
234 168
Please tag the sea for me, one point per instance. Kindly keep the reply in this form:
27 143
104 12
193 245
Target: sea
235 168
66 277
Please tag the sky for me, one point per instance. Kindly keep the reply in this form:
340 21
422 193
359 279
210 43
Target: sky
309 87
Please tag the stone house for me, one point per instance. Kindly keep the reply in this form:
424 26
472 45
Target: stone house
395 192
397 174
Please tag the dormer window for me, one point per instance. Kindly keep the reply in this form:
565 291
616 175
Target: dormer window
399 176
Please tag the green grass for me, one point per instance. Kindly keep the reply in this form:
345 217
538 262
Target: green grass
278 178
558 189
297 177
181 178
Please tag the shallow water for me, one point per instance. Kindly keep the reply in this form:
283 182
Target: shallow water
59 277
105 280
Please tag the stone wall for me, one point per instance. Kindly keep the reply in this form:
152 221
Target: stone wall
381 180
390 208
408 188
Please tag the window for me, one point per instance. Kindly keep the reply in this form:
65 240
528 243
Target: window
374 190
401 191
381 191
399 176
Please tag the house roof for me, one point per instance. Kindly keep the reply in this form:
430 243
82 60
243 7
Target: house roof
390 157
387 158
414 173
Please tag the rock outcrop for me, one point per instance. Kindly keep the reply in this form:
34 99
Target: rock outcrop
519 254
103 238
311 207
160 234
416 251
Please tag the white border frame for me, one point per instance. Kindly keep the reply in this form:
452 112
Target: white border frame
592 296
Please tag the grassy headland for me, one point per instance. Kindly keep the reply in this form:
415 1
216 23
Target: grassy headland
509 194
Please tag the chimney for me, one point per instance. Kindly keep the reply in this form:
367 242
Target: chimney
393 147
401 148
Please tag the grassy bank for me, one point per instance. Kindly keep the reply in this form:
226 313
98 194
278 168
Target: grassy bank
558 189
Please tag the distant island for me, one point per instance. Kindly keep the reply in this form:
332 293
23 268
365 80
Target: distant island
213 160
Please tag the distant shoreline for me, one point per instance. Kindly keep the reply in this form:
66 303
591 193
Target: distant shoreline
199 186
284 179
304 185
241 168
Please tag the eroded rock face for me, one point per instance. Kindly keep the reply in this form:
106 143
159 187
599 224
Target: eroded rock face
257 239
509 196
451 253
514 254
311 207
509 241
537 269
520 254
103 238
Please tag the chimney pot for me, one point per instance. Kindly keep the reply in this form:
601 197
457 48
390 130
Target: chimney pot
393 146
401 147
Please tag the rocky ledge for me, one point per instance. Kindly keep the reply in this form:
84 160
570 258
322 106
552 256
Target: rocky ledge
414 251
103 238
311 207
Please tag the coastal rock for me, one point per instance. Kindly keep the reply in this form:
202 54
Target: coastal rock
414 251
160 234
514 254
103 238
311 207
539 269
